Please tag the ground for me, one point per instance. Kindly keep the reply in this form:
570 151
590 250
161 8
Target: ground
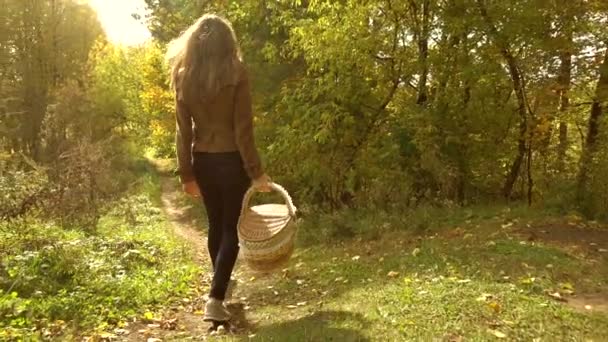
499 277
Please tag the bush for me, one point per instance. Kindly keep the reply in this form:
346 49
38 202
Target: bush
50 275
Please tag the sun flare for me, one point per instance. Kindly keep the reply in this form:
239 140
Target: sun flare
116 17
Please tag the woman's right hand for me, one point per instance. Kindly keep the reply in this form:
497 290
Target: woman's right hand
192 189
262 183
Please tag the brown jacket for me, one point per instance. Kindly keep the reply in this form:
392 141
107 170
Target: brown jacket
223 124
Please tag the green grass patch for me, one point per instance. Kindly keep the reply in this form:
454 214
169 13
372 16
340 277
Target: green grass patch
55 280
483 284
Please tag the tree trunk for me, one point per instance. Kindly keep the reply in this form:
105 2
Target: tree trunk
423 53
518 88
564 82
593 128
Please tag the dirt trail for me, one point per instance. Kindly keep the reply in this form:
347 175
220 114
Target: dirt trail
182 222
185 321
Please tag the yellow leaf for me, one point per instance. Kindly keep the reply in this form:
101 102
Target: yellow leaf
494 306
484 297
567 286
497 333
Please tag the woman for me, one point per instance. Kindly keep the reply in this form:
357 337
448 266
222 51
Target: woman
216 152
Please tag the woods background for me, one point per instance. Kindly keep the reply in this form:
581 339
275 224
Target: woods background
376 115
376 103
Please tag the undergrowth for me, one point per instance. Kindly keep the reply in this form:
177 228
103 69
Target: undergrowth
61 280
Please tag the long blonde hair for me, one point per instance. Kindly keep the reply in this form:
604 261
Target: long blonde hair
204 58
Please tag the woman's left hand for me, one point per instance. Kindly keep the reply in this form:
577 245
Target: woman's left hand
262 184
192 189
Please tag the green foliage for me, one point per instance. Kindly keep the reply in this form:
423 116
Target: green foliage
44 45
53 279
414 102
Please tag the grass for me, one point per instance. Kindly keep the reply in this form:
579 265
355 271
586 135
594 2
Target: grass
430 274
64 282
473 280
423 275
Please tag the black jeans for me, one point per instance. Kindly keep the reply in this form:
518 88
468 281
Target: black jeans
223 183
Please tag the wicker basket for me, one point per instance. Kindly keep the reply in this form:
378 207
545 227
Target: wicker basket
267 232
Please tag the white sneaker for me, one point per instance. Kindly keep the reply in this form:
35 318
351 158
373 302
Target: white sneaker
215 311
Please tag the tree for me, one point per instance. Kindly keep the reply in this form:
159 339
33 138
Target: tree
47 43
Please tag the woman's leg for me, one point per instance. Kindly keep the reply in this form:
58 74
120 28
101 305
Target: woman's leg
232 198
212 199
213 204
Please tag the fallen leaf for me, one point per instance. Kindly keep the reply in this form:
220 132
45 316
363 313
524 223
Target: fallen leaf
497 333
170 324
302 303
495 306
566 286
299 281
464 281
356 258
528 281
453 338
152 339
557 296
292 306
121 331
105 336
484 297
416 251
588 307
393 274
603 250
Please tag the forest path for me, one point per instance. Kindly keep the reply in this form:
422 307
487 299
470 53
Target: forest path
185 321
353 290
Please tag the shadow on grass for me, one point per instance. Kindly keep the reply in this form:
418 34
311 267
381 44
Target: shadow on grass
320 326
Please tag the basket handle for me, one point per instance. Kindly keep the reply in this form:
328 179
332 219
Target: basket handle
275 187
